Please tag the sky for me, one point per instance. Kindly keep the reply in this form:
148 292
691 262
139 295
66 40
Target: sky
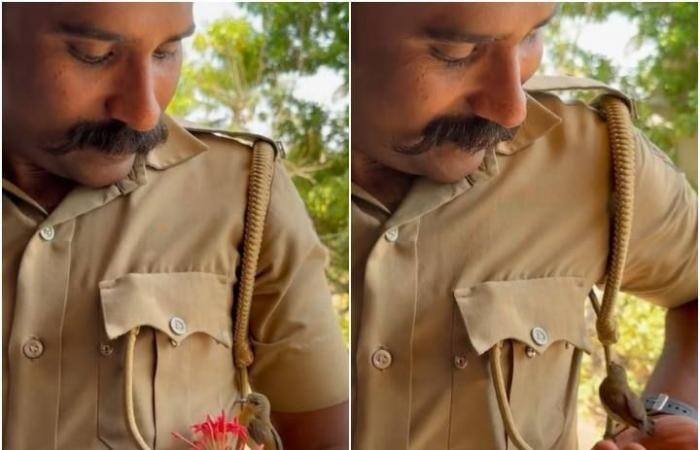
320 88
611 38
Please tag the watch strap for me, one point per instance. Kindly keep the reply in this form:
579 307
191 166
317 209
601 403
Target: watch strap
663 404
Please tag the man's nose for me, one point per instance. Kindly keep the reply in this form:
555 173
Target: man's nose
501 98
134 100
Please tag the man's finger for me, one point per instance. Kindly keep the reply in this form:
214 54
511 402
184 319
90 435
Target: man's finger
606 445
634 446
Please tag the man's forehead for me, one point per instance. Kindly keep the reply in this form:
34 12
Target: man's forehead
479 18
110 21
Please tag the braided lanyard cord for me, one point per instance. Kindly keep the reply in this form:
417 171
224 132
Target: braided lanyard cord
622 145
259 185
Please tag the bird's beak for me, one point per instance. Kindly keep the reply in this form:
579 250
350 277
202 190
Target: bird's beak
240 402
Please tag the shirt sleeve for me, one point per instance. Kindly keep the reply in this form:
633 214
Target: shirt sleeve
662 257
301 361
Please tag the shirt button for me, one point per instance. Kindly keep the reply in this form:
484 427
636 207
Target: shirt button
33 348
106 349
539 335
381 359
461 362
530 352
47 233
178 326
392 234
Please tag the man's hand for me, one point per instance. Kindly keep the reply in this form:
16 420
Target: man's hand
670 433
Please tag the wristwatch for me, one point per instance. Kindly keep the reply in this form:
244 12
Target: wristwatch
663 404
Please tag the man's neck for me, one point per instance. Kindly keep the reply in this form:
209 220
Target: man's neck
47 189
387 185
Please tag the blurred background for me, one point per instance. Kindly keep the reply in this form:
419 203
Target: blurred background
281 69
650 52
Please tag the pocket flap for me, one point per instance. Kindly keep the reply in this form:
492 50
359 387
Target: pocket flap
523 310
178 304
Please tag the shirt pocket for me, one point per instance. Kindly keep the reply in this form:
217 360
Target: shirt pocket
183 365
542 324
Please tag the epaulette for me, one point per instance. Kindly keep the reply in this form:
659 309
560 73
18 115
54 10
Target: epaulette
546 83
242 137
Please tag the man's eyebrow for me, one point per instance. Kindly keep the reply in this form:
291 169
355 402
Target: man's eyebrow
89 32
180 36
454 35
92 32
548 19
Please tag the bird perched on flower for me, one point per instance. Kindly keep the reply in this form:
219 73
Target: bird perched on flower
255 416
621 403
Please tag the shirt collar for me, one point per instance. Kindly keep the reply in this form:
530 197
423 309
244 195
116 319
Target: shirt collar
180 146
539 121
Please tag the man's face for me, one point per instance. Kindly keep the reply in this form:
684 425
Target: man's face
85 84
434 85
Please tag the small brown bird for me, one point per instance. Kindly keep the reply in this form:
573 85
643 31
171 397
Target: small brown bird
255 415
623 405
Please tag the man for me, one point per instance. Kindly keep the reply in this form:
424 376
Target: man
481 214
116 218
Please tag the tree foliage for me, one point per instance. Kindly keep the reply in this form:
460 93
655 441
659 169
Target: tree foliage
245 69
664 84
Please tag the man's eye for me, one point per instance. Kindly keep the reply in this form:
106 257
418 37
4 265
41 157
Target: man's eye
162 54
453 58
167 53
89 58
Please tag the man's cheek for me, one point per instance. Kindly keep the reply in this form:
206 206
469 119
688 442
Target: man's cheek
166 86
428 95
530 62
166 80
64 88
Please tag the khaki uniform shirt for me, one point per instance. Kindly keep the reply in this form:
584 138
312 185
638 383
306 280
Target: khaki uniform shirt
512 248
160 250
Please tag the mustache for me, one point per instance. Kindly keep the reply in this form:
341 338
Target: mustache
471 134
111 137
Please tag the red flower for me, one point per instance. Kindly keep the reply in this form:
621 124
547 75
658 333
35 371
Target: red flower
216 434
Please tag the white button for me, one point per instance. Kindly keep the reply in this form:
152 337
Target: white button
392 234
47 233
461 362
178 326
539 335
381 359
33 348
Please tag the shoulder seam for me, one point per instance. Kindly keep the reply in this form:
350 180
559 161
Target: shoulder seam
242 137
553 84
